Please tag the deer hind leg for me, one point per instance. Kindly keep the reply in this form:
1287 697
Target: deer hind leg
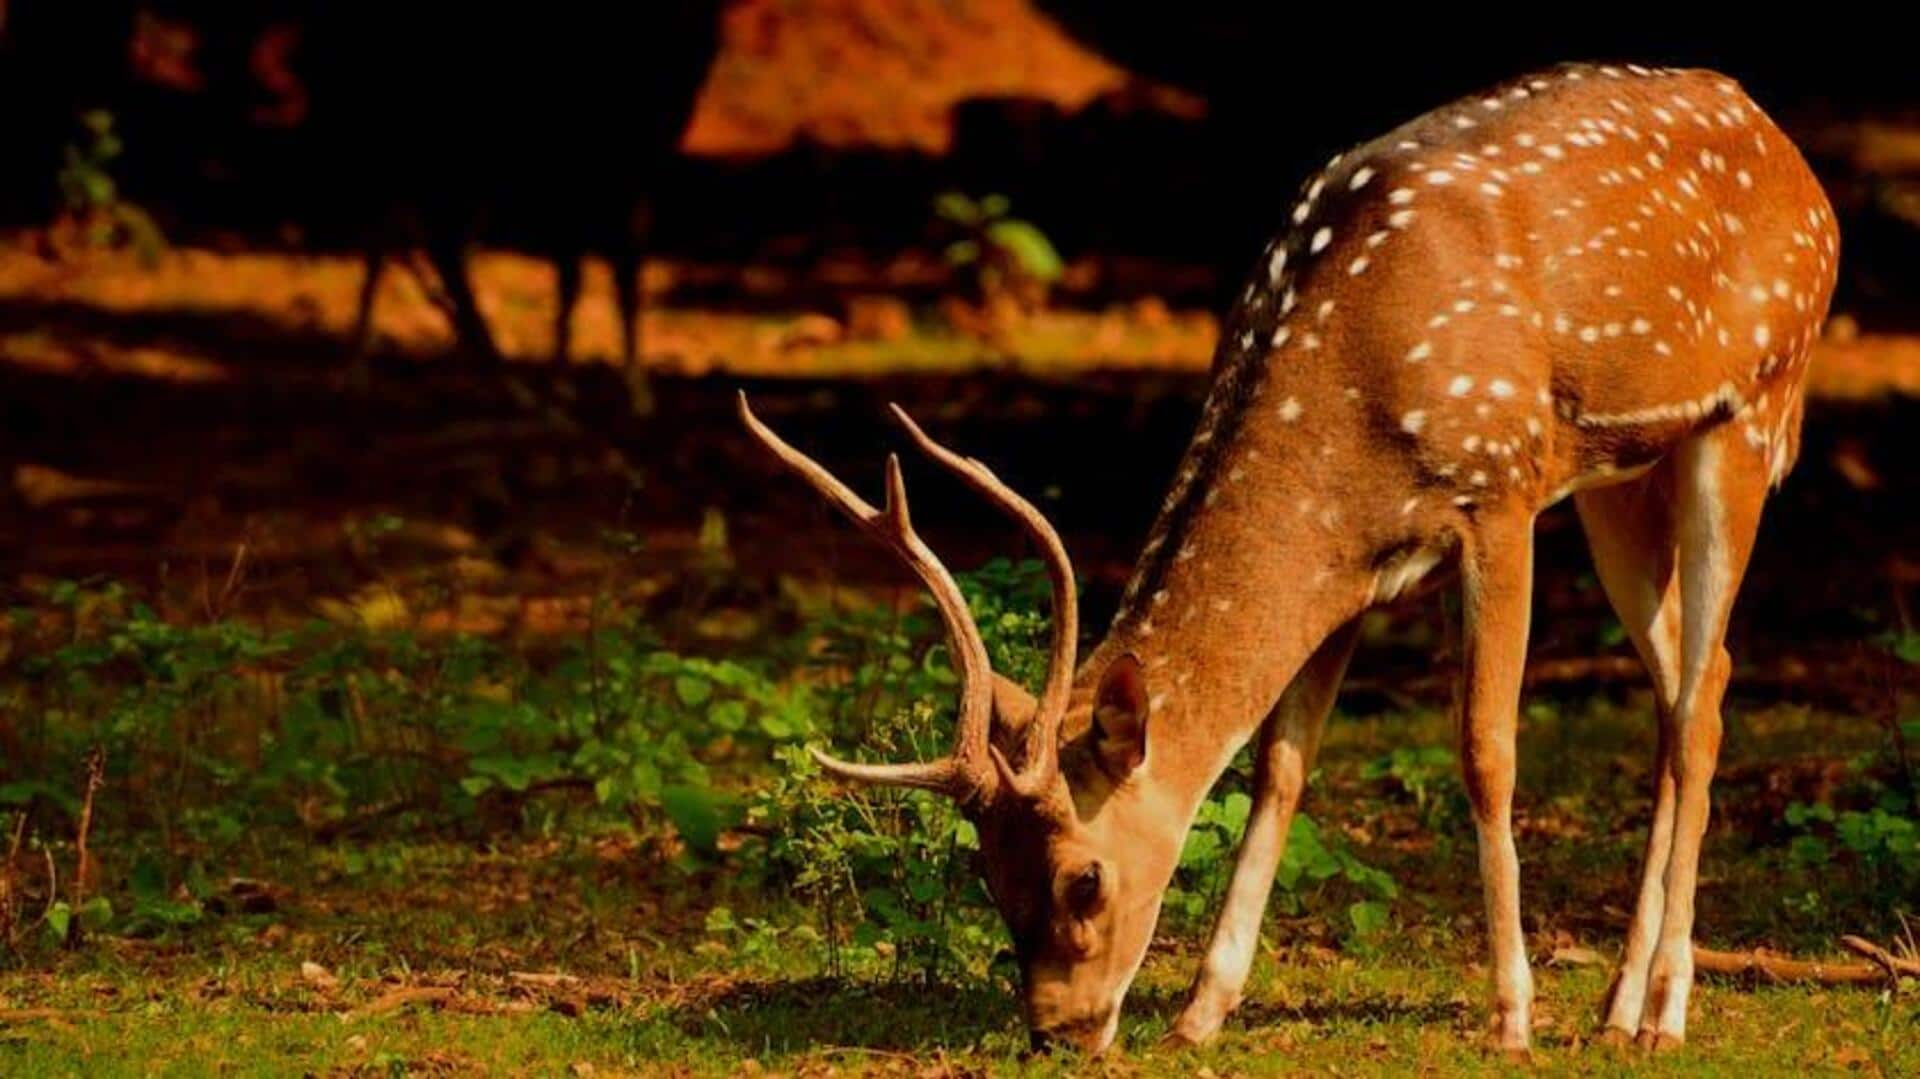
447 250
1720 487
376 266
626 285
1496 563
1289 739
359 365
628 259
1630 528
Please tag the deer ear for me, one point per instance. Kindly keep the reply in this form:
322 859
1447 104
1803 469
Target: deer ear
1120 717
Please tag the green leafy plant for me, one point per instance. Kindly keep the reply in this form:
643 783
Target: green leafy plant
340 726
889 873
1314 862
1427 776
1002 254
213 733
93 206
1877 825
1883 840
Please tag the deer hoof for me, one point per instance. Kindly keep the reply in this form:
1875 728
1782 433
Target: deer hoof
1658 1041
1615 1038
1188 1032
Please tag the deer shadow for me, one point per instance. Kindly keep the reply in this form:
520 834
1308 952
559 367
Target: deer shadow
813 1013
1373 1007
816 1013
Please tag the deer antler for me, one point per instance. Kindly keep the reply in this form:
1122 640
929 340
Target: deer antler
968 772
1040 760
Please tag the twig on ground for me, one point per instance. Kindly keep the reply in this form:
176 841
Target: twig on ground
1894 965
545 981
232 584
868 1051
1773 967
83 861
53 883
397 999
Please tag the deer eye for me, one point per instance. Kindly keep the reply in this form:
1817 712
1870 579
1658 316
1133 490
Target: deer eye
1083 892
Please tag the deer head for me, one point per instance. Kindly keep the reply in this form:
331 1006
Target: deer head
1078 843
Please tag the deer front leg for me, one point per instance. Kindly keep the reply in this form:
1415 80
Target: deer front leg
1289 739
1497 578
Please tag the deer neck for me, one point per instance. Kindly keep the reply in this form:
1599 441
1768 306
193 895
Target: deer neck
1262 549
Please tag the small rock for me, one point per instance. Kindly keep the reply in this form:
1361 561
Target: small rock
318 976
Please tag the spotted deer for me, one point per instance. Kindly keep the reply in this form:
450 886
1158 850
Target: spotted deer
1593 281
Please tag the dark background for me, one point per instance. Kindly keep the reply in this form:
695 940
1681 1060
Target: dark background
311 127
560 109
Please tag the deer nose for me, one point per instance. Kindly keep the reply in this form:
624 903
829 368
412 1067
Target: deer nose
1090 1035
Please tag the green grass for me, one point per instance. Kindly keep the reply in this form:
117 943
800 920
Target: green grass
1339 1015
1345 1019
654 992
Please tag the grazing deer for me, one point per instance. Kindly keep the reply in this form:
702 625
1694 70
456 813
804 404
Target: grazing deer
443 275
1592 281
